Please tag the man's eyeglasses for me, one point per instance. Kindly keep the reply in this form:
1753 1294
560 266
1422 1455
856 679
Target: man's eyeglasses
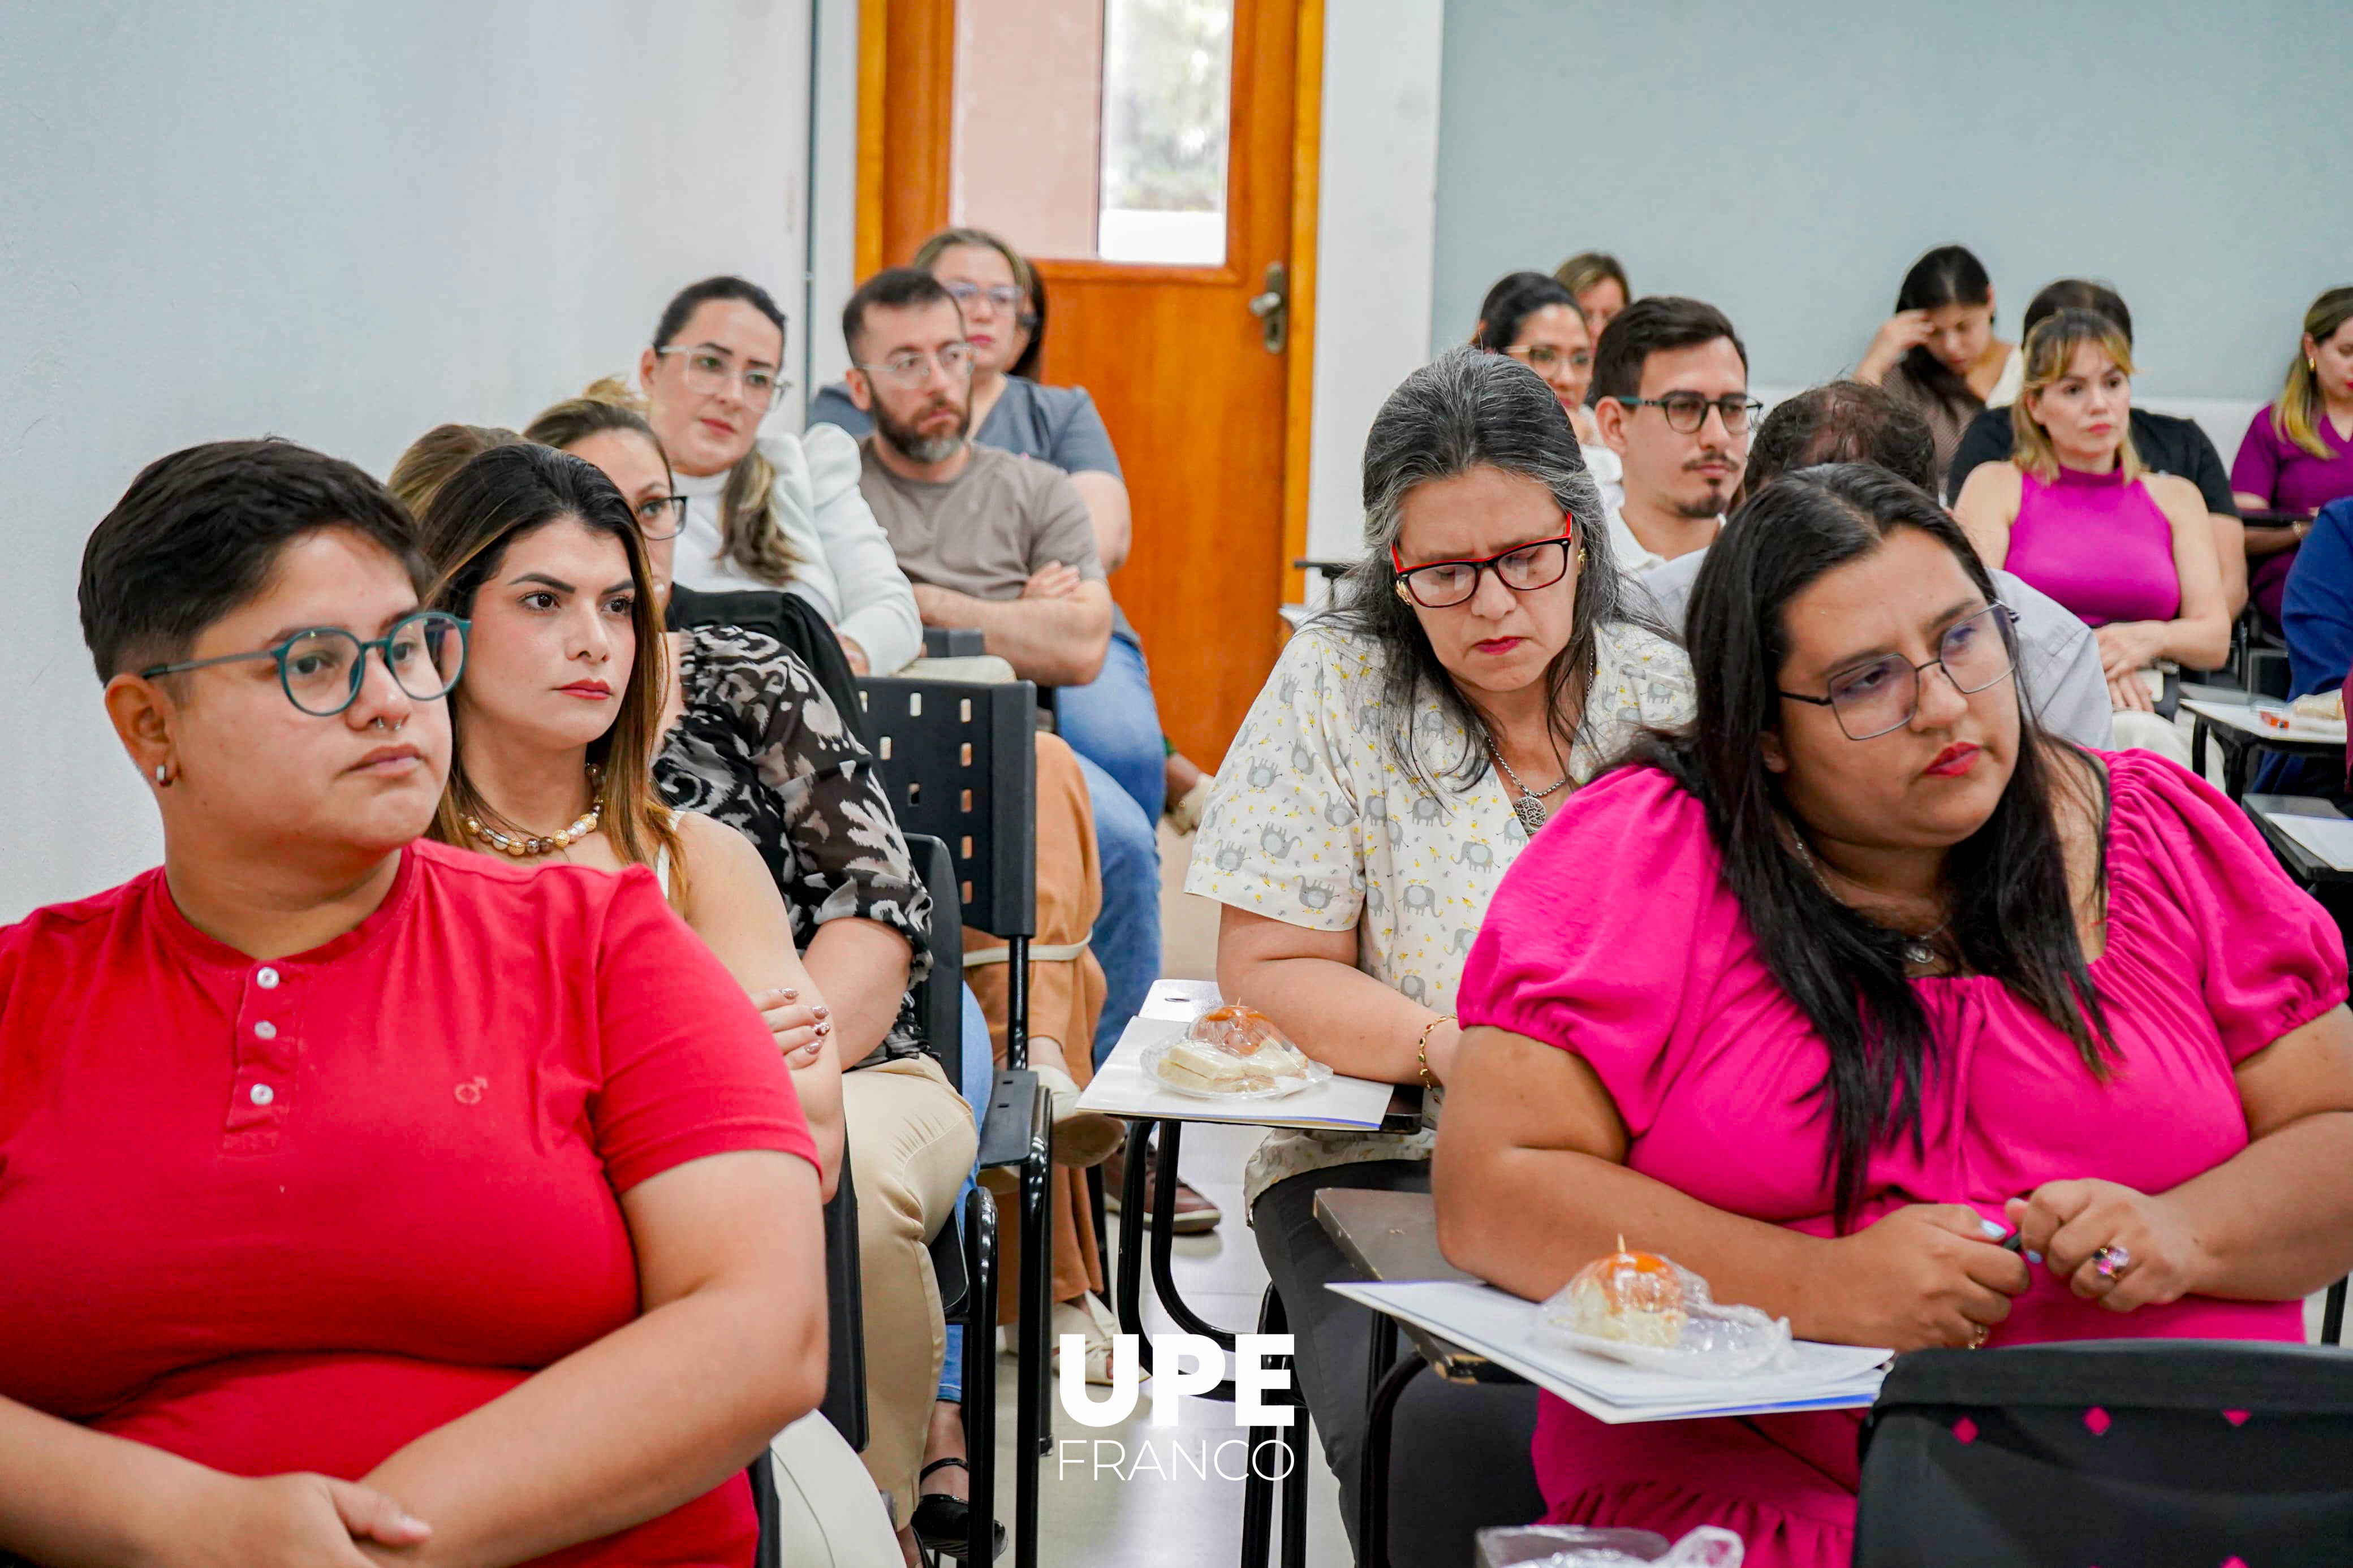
1542 357
1687 411
912 368
1881 697
1004 296
1523 568
321 671
709 373
661 517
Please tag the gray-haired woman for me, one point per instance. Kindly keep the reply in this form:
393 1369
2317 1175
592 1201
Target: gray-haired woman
1484 661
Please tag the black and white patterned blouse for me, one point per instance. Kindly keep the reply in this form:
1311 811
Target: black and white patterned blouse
762 748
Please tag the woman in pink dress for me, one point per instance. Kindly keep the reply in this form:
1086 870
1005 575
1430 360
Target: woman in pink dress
1859 974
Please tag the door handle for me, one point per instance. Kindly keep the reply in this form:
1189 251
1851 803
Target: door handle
1272 308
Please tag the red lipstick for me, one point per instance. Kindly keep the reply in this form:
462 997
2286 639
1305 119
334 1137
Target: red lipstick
1953 761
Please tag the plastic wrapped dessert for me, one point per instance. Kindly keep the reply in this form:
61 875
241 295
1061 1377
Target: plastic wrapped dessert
1231 1050
1651 1311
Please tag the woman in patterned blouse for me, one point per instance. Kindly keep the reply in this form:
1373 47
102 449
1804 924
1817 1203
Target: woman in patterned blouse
1481 662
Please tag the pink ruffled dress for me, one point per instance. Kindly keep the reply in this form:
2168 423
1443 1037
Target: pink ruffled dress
1615 937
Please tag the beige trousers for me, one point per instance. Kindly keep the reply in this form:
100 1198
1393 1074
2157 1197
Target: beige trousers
912 1143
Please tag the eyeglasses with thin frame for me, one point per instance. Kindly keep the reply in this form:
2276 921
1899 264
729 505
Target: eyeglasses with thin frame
709 372
661 517
1004 296
1883 696
321 671
912 368
1523 568
1687 411
1542 357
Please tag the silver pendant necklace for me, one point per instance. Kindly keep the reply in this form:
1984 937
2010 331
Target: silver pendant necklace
1920 951
1530 807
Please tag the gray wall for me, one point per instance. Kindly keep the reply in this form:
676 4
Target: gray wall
341 222
1788 162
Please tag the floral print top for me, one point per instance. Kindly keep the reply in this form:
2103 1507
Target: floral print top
762 748
1311 821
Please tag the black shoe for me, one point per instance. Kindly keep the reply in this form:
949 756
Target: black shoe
942 1524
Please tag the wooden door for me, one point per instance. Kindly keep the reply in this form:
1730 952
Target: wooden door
1210 422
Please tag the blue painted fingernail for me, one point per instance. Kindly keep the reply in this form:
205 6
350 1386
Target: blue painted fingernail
2034 1258
1993 1232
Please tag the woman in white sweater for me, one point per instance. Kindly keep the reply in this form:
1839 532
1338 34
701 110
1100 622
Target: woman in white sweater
771 510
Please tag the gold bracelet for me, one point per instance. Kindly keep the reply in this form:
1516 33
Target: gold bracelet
1422 1050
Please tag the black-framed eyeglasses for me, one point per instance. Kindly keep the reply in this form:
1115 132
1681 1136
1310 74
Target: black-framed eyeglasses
1004 296
1687 411
321 671
661 517
1523 568
709 372
1881 697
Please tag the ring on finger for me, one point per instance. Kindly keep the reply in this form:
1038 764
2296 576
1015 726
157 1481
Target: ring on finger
2111 1261
1977 1332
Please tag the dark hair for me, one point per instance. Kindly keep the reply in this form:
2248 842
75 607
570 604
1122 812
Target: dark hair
1030 318
1948 275
1844 422
2012 919
1516 296
684 304
198 533
751 531
2075 294
497 498
1656 324
1464 410
893 289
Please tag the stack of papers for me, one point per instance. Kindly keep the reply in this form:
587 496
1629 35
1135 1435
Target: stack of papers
1508 1331
2329 837
1122 1087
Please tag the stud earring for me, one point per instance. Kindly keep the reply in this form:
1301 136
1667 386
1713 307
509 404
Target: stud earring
163 775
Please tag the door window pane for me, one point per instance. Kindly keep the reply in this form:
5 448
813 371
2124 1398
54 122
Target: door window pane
1094 128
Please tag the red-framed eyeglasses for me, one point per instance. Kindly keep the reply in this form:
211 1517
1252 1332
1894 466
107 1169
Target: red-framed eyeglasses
1523 568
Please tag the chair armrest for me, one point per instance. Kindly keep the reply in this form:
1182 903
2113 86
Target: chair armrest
1015 1114
954 642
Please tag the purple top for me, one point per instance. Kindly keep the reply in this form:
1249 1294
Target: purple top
2210 954
2288 477
2099 546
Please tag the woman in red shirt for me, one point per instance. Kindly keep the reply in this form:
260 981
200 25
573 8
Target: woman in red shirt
333 1156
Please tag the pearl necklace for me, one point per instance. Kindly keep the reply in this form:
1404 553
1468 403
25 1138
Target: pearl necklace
523 846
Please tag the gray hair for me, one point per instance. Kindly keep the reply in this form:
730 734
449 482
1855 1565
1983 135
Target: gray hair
1469 409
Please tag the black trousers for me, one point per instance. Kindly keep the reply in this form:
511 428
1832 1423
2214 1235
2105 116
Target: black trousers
1458 1453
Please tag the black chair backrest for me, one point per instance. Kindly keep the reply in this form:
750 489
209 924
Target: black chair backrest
939 995
2151 1452
792 620
961 762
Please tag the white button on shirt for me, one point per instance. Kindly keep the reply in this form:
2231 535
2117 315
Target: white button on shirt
263 1094
267 979
266 1030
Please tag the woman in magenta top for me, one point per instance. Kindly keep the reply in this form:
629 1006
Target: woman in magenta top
1842 1053
354 1189
2297 455
2074 513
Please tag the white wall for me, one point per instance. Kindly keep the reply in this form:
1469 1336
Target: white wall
1375 221
340 222
1788 162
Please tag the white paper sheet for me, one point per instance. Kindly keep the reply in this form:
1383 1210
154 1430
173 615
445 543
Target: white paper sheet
1183 1000
1122 1087
2330 837
1508 1331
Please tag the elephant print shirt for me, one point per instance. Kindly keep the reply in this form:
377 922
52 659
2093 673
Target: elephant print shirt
1312 821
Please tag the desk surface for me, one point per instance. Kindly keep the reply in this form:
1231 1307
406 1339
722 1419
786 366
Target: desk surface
1394 1235
2306 864
2240 721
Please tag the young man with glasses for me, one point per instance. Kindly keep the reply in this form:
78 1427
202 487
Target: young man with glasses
1671 398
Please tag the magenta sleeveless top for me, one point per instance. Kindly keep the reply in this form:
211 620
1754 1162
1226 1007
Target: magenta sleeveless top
2100 546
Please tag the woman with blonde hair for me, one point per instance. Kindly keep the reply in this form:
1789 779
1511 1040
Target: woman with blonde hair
768 510
2076 514
2297 455
1597 284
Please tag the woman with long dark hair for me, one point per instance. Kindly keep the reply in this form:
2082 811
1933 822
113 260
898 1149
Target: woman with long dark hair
1860 975
1937 352
1483 662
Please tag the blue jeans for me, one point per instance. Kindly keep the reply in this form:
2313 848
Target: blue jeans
1126 938
979 1078
1114 722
